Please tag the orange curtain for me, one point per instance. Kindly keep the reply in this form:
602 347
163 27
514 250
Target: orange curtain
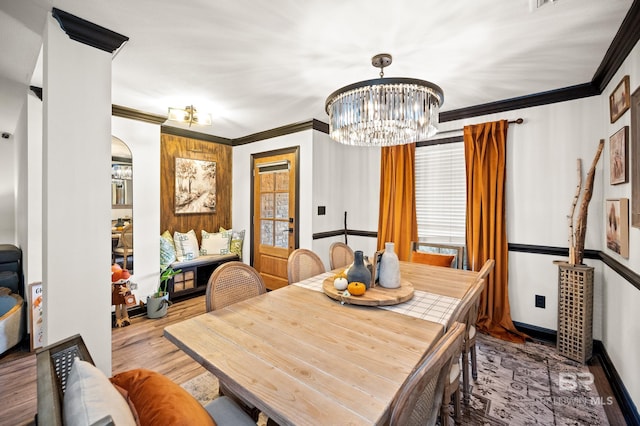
397 220
485 157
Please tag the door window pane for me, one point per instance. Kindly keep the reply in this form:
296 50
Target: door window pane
266 232
282 234
282 205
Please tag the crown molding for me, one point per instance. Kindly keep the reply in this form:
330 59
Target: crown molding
283 130
528 101
177 131
88 33
135 114
36 91
623 42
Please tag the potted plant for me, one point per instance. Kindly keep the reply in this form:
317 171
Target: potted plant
158 302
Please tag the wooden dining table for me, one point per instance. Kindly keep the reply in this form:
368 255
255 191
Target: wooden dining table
303 358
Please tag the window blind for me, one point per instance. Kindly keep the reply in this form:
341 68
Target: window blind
441 192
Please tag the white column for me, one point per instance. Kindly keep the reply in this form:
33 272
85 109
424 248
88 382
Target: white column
76 193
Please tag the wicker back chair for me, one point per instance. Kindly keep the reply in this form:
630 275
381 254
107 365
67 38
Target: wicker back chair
303 264
466 313
340 255
418 401
233 282
125 245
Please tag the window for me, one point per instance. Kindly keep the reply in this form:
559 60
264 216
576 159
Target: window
441 192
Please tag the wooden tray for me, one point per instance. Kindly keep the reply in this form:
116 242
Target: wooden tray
377 296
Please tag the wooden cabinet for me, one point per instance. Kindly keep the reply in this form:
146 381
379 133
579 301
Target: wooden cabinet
194 276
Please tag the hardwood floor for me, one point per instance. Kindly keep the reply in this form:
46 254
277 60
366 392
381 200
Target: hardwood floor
142 345
139 345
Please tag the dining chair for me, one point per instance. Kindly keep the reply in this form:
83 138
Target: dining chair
125 246
469 345
303 264
340 255
449 255
230 283
452 387
419 399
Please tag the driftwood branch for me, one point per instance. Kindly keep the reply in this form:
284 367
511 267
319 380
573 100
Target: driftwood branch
581 225
572 239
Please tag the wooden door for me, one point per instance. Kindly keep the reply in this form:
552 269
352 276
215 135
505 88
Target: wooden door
275 222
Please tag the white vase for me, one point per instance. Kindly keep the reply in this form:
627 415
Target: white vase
389 267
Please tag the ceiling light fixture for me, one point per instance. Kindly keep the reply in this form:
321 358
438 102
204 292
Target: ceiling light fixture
189 115
384 111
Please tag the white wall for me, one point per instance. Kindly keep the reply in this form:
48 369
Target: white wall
8 181
32 215
346 178
76 193
620 312
241 191
541 183
143 139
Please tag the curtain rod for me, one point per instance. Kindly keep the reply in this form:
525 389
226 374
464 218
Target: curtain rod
518 121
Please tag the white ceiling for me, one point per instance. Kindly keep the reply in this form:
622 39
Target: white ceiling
257 65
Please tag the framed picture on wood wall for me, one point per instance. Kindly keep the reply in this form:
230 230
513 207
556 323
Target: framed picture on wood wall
195 190
618 154
619 100
617 225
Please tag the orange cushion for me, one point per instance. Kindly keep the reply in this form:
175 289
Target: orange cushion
159 401
434 259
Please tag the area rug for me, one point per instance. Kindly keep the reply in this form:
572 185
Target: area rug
527 384
531 384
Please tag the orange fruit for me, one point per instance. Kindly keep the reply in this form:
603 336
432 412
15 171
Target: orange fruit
356 288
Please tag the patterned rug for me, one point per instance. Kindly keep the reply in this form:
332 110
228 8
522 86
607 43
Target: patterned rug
526 384
531 384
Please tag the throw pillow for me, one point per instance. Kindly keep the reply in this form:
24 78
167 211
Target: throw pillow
89 396
215 243
433 259
237 241
167 252
159 401
186 245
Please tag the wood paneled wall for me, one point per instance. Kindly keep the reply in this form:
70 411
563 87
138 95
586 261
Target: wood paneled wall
172 147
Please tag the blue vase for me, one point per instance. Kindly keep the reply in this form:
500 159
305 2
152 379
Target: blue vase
358 272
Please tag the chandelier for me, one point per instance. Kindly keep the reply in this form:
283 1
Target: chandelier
189 115
384 111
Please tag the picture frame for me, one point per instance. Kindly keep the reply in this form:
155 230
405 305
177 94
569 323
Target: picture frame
618 156
36 316
195 186
619 100
617 225
635 159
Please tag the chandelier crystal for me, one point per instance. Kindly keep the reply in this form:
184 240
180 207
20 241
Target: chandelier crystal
384 111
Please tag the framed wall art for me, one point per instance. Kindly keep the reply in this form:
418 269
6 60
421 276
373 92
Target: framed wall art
195 190
635 158
617 225
618 155
619 100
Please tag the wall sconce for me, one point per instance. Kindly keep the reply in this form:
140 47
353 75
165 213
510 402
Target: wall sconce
189 115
